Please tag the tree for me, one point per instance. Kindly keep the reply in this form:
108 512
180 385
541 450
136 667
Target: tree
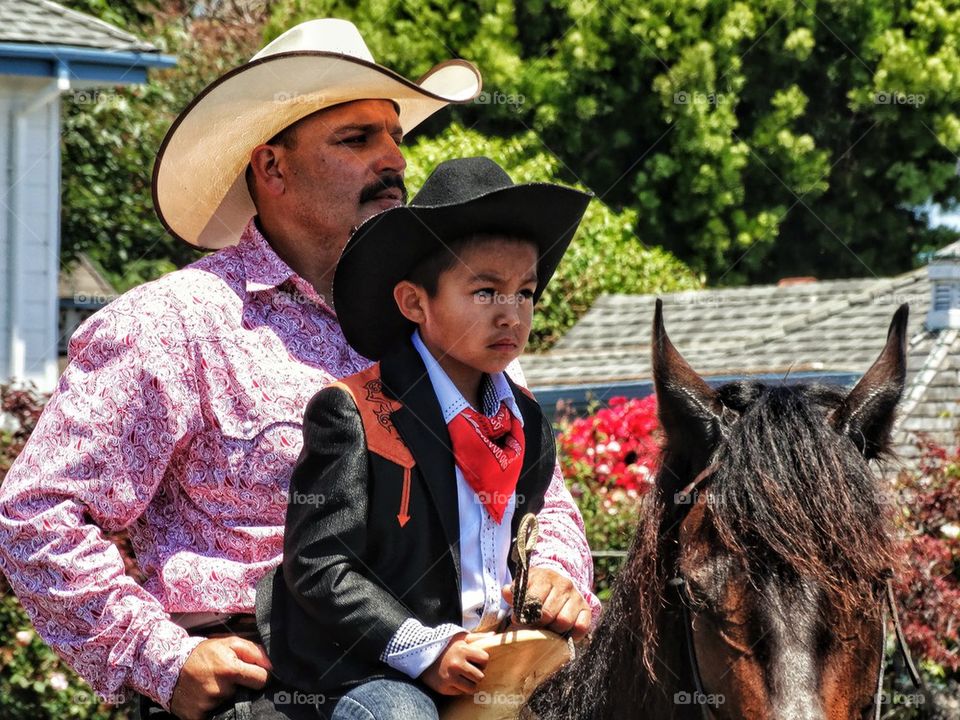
760 138
110 137
755 138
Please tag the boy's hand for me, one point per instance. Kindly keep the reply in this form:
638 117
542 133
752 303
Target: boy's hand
564 609
459 668
212 673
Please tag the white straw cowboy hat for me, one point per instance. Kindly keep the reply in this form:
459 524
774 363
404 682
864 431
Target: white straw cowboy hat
199 190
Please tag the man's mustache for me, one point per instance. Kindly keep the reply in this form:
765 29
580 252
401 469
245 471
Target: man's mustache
384 183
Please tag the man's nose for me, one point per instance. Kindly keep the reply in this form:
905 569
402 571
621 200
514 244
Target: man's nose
390 159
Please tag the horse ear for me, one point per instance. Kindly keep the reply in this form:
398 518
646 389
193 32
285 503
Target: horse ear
866 415
688 408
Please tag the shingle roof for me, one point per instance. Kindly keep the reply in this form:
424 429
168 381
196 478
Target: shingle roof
836 325
833 327
83 283
46 23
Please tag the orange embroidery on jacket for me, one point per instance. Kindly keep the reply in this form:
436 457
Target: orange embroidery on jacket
366 389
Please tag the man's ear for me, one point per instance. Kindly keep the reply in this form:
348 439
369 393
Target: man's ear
410 300
866 415
267 172
688 408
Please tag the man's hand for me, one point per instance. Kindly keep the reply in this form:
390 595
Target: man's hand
459 668
212 673
564 609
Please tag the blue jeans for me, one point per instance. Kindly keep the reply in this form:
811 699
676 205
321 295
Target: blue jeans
385 700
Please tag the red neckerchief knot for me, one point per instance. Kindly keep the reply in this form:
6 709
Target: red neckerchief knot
489 453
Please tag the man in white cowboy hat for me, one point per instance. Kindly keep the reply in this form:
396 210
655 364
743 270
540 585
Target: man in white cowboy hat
179 417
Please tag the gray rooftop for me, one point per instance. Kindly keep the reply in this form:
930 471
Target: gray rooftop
834 327
83 283
42 22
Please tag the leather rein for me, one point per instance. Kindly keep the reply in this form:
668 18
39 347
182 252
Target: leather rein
679 584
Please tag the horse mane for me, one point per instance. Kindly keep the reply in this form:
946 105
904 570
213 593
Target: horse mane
789 495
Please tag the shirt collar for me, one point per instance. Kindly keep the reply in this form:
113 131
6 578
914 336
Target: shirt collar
451 399
263 268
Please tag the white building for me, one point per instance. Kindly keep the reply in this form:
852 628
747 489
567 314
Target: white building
46 50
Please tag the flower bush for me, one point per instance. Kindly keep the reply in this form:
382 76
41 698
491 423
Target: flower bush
609 461
928 584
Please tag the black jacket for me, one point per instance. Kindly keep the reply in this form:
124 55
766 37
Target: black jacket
353 571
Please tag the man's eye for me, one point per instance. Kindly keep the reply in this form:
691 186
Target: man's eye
353 139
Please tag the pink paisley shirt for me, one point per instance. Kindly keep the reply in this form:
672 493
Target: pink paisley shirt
179 420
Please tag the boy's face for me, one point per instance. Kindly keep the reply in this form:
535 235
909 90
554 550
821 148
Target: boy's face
479 320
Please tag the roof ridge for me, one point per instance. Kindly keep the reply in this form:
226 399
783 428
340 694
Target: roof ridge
95 22
931 366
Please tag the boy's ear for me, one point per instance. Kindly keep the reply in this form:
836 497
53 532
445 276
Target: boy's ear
409 298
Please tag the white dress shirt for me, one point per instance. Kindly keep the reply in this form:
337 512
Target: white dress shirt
484 543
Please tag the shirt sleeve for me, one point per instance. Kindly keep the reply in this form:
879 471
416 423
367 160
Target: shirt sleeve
415 647
93 463
562 546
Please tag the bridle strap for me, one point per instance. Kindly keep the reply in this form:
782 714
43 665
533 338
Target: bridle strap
904 649
878 698
902 639
701 697
704 474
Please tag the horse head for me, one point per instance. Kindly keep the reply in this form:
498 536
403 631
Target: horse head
779 541
754 586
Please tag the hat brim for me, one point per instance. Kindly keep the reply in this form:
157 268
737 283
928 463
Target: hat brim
386 248
199 191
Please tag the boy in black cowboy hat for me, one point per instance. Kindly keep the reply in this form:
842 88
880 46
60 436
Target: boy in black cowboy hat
415 472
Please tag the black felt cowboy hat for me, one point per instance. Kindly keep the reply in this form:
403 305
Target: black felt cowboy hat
460 198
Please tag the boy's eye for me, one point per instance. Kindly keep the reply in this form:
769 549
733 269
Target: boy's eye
526 295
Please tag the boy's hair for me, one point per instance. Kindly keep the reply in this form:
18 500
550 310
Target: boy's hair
427 272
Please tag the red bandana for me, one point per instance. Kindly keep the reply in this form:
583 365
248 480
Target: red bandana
489 453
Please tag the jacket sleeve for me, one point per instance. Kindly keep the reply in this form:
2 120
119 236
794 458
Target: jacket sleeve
325 540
